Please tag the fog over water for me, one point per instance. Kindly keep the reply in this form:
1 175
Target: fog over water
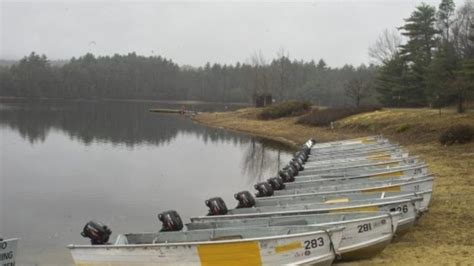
196 32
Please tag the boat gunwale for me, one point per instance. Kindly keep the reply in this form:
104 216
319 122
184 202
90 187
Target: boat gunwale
322 177
353 146
327 231
263 214
353 154
407 195
385 214
409 180
368 163
354 150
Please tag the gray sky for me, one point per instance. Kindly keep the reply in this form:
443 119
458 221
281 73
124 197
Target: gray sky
194 33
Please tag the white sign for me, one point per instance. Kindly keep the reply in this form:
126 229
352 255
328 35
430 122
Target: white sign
8 252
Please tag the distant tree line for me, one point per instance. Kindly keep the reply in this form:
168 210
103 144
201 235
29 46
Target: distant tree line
138 77
428 61
434 66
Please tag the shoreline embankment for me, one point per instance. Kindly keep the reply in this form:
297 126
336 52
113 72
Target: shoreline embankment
442 236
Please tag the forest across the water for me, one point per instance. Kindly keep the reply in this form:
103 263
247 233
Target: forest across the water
427 61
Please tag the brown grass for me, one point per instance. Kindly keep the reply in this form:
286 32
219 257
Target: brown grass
284 109
445 235
327 116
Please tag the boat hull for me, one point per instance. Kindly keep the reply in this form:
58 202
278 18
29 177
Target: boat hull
314 248
421 184
361 231
369 250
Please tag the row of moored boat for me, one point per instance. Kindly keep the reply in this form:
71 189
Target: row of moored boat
343 200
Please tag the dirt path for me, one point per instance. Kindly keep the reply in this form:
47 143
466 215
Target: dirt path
445 235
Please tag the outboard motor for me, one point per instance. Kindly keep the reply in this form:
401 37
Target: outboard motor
171 221
292 169
245 199
97 232
264 189
276 183
216 206
297 165
286 176
306 150
301 155
298 160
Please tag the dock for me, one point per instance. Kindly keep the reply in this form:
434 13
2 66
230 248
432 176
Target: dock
172 111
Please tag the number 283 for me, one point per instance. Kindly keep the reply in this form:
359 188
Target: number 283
314 243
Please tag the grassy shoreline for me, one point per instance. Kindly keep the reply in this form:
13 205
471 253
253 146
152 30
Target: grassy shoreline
445 234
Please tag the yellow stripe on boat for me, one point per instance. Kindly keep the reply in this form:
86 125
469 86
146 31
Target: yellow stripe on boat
339 200
246 253
287 247
382 176
383 189
358 209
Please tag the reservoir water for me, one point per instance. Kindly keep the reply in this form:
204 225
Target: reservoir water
65 163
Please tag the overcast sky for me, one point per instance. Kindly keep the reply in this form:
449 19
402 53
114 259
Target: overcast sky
194 33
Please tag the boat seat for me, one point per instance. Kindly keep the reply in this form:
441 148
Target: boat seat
226 237
121 240
291 222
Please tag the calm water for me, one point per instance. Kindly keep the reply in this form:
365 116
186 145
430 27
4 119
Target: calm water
63 164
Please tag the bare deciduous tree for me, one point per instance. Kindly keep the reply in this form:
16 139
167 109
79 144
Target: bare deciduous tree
385 47
261 75
281 72
355 89
461 29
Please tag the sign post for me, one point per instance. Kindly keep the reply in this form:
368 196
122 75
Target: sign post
8 252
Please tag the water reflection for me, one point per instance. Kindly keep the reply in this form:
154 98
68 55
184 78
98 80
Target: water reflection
259 158
116 122
64 163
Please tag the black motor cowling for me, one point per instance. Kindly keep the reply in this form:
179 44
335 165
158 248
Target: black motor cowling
297 165
301 156
286 176
305 149
171 221
264 189
245 199
291 168
298 160
216 206
97 232
276 183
